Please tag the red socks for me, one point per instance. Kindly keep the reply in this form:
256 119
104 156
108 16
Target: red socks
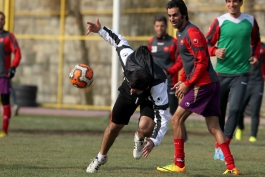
229 160
6 117
216 144
179 157
227 139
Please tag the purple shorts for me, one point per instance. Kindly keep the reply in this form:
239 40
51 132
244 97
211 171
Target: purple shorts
204 100
4 85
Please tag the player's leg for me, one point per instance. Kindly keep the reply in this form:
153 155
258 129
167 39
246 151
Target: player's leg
122 110
14 104
224 94
193 101
178 120
237 93
211 114
173 104
212 123
145 127
255 102
240 122
6 114
5 100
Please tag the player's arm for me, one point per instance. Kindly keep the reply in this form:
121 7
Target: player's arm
212 37
15 50
197 46
255 40
116 40
162 115
176 67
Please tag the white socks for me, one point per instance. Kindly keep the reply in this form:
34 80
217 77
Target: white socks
101 157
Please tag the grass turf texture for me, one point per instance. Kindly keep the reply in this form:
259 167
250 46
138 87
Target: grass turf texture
49 146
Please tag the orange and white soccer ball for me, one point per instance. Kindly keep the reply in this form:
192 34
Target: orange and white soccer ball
81 76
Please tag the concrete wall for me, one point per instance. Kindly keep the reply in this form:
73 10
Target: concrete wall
40 57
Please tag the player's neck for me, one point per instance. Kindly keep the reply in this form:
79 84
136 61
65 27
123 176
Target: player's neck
161 36
236 15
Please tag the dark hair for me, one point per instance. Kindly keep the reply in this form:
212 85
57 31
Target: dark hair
160 18
179 4
2 13
239 0
140 79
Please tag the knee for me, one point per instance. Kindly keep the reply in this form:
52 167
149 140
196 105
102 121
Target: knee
146 127
115 128
175 120
234 110
5 99
211 130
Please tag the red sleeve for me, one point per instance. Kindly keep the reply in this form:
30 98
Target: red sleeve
178 62
198 48
149 44
255 40
15 50
176 66
212 36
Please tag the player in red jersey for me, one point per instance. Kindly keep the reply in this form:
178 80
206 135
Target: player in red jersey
8 45
198 87
164 51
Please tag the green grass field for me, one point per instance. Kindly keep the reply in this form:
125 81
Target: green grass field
40 146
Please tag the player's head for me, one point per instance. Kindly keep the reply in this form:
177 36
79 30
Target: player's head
180 4
235 0
233 7
160 25
140 80
2 20
177 13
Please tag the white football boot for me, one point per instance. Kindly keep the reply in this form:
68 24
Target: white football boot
95 164
138 147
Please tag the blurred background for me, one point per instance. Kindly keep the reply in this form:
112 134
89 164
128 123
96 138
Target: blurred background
51 35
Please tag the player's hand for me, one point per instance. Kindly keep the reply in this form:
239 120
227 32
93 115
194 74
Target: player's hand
254 61
176 85
93 27
181 90
11 72
220 53
148 147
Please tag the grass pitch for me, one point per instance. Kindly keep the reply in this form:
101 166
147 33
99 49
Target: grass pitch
41 146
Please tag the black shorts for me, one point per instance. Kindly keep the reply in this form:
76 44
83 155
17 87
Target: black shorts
126 105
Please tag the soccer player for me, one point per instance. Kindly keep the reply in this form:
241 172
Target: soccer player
8 45
164 50
144 85
254 98
234 33
198 87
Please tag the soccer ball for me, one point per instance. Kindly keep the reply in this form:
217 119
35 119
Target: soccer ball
81 76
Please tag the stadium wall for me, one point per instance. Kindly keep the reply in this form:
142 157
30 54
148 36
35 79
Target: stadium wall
51 35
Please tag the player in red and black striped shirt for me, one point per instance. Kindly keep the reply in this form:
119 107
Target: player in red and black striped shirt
8 45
